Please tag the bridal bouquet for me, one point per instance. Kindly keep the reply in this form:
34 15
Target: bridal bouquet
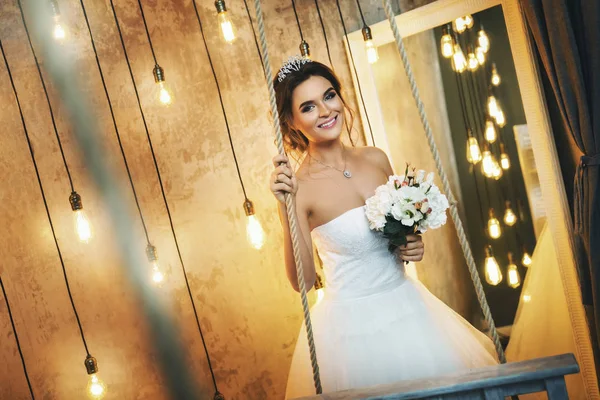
405 205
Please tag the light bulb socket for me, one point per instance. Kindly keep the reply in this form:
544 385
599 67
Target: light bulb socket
508 204
248 207
502 148
54 7
221 7
91 365
75 200
367 34
159 74
151 253
446 30
219 396
488 251
304 49
491 213
511 258
318 282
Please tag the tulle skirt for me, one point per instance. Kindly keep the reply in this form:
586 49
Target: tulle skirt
401 333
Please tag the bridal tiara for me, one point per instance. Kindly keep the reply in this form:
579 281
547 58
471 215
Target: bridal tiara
292 65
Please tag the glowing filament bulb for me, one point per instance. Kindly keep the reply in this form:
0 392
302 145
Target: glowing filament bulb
492 106
58 31
487 163
446 43
480 54
165 96
526 261
494 229
510 218
495 76
473 63
493 275
157 275
473 151
227 28
514 278
96 388
372 55
82 225
504 159
490 131
500 118
497 171
254 231
483 41
459 62
468 21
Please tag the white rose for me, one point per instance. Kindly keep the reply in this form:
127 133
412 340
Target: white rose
420 176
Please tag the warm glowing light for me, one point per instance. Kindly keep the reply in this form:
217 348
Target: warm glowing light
493 107
490 131
164 94
227 29
493 275
480 54
488 162
372 55
254 232
510 218
473 151
447 45
96 388
495 76
526 261
473 63
459 62
514 278
483 41
494 228
82 226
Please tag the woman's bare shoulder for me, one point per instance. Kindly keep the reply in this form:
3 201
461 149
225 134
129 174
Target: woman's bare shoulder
375 156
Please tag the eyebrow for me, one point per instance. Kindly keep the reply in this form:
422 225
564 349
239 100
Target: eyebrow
310 101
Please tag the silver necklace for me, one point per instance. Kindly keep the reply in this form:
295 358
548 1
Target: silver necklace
345 171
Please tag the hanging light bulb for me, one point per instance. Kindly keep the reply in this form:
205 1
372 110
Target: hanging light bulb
165 96
227 29
487 162
510 218
472 61
480 54
497 172
96 389
483 40
495 76
526 260
468 21
459 62
473 151
494 229
492 106
500 118
447 43
504 159
490 131
319 288
82 225
58 31
493 275
254 231
514 278
372 55
157 275
459 25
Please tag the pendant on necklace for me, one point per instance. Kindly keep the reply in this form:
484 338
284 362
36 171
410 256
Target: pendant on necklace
347 174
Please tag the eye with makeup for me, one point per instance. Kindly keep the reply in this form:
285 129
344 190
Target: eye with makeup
309 106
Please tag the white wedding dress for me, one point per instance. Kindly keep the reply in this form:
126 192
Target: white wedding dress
375 325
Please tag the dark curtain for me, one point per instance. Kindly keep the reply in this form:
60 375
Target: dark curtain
566 34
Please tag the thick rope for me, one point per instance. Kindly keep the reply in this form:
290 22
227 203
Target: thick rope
446 185
289 200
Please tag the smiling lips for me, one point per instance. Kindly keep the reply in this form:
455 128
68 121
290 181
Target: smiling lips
329 123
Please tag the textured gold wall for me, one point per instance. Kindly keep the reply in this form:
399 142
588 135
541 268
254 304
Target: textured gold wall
249 314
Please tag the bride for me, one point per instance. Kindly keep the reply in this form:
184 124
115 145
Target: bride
375 325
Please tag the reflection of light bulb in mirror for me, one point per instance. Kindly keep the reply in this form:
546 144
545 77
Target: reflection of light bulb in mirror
446 43
487 163
96 389
495 76
473 151
500 118
82 225
480 54
165 96
370 48
513 278
157 275
490 131
472 62
254 231
483 41
510 218
494 229
526 261
459 62
227 29
493 275
492 106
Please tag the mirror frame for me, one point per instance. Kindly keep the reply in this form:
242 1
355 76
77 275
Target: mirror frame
544 148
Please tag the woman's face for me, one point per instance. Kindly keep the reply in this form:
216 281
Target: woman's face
317 110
